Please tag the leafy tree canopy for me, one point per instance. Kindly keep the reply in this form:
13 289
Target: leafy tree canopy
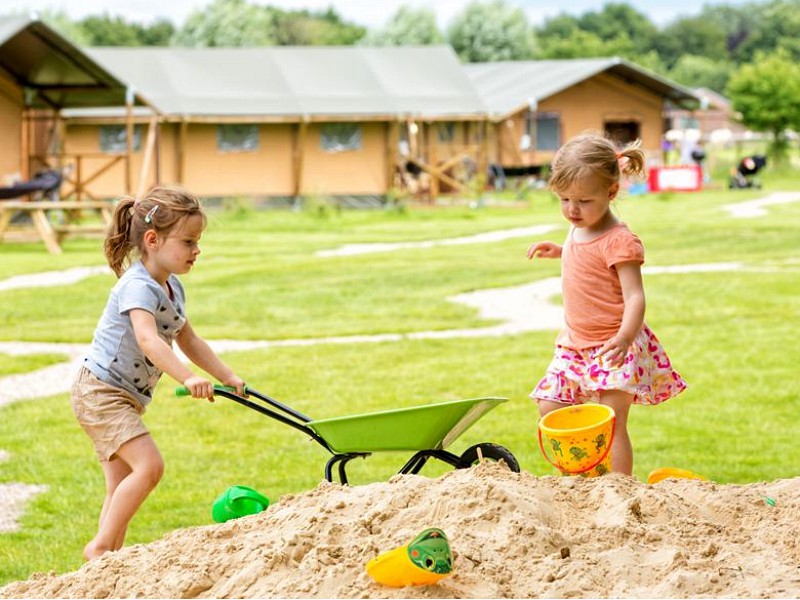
407 27
584 44
239 23
700 71
106 30
767 94
490 31
691 35
306 28
620 19
777 25
227 23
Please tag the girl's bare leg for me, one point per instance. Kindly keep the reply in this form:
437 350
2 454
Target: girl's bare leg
621 447
146 468
114 470
546 406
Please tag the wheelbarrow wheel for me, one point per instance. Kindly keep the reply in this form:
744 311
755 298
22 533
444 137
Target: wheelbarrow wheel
493 452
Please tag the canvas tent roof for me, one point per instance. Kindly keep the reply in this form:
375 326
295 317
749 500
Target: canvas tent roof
508 86
58 72
298 81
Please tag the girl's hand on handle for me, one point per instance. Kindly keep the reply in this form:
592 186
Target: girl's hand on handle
200 387
544 250
236 382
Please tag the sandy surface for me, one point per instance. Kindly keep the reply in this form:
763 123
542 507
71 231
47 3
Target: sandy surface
513 536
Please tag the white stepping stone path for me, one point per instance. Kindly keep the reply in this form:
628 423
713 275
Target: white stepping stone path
756 208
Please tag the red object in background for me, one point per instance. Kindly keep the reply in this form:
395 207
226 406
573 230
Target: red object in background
681 178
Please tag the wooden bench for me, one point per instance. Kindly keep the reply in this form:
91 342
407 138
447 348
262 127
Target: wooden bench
51 233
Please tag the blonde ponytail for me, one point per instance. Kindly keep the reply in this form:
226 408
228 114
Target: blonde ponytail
632 160
118 245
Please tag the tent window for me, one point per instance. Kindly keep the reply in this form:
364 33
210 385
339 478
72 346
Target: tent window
548 131
237 138
340 137
622 133
446 131
113 138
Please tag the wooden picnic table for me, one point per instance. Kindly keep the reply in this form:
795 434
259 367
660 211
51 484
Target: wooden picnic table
51 232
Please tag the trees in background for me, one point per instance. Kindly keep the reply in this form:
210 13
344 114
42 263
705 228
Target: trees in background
767 94
488 31
697 51
698 71
240 23
775 26
105 30
115 31
407 27
720 38
700 51
221 23
227 23
690 35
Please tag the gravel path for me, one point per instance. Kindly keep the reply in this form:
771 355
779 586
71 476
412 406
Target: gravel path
51 278
756 208
14 497
479 238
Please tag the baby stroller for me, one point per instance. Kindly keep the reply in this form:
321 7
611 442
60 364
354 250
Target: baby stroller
746 174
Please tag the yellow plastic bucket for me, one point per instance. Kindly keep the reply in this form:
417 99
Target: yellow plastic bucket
579 438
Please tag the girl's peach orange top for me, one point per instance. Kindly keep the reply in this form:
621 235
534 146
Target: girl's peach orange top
593 303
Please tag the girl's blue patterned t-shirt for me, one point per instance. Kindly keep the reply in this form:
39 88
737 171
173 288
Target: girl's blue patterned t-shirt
115 356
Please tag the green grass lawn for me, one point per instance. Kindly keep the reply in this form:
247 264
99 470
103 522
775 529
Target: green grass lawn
731 334
12 364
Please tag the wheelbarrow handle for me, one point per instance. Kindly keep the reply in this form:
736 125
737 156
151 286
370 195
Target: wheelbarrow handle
182 390
230 392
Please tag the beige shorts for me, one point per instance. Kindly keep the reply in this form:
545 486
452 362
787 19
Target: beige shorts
109 415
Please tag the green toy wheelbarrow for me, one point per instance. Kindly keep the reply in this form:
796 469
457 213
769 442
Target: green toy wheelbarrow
425 430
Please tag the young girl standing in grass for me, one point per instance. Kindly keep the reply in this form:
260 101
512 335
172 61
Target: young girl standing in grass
132 346
605 353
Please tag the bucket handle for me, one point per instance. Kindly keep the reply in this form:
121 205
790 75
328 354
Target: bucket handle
239 492
590 467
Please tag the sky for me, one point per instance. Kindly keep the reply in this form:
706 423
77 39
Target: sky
370 13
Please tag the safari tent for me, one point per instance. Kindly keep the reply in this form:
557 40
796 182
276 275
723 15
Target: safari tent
537 105
290 121
41 74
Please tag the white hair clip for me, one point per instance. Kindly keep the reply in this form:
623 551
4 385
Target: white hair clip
148 218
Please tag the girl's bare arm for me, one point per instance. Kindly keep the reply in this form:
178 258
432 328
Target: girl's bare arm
630 278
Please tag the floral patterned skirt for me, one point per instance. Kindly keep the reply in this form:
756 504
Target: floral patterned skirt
578 376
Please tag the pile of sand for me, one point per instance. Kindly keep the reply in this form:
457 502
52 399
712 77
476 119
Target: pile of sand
512 535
